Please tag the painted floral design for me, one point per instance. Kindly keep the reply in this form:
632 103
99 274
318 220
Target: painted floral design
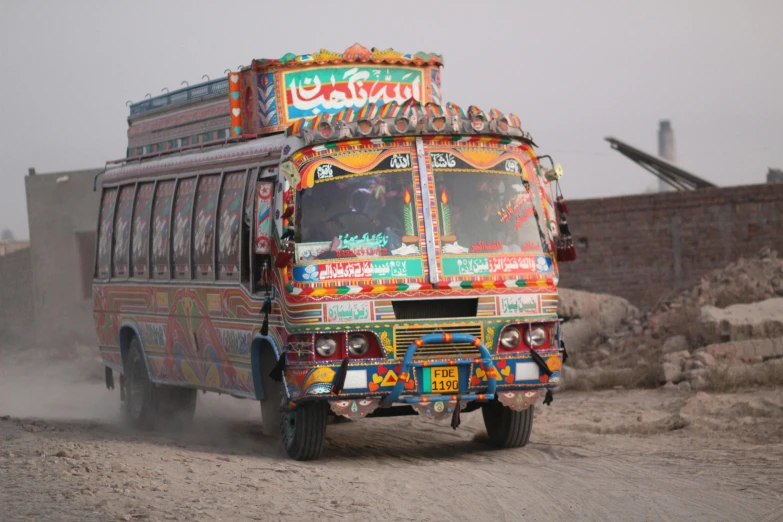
181 233
229 240
140 239
122 235
160 237
204 227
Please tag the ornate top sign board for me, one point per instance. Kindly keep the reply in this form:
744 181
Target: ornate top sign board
276 93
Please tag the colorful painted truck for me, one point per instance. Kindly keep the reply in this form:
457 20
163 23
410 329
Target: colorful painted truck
322 234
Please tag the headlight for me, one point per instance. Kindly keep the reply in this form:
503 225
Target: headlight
535 336
510 338
325 346
358 345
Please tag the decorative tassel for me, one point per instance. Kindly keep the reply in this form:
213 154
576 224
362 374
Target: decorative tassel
565 250
455 420
561 205
277 372
565 243
288 234
339 381
563 226
565 352
540 363
266 309
548 398
283 259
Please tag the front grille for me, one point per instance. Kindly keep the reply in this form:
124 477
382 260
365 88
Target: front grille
435 308
404 336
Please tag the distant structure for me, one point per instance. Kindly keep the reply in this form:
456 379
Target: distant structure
668 173
62 212
666 149
9 247
775 176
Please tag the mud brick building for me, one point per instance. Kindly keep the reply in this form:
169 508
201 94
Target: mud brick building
62 210
641 247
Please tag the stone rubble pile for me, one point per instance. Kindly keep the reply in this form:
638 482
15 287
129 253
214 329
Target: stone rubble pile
732 317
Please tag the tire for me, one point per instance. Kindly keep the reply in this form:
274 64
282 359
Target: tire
151 406
507 428
177 405
274 394
303 430
141 401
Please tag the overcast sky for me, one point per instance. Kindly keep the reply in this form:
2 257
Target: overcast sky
575 72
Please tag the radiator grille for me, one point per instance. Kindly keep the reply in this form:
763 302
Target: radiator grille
435 308
404 336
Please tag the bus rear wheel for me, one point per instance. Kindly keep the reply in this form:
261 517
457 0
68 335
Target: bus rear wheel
303 430
150 406
507 428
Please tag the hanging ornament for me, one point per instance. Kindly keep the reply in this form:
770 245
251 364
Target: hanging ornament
565 250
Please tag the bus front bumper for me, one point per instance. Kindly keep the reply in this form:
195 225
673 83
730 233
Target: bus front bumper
432 387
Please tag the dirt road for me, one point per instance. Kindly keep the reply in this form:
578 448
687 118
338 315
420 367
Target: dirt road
617 455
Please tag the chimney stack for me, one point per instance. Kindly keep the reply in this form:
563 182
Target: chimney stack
666 149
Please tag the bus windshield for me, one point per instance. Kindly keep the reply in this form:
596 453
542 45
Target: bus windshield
487 212
369 214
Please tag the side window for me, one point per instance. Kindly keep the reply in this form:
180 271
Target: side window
183 215
140 234
228 225
122 231
204 228
161 229
108 203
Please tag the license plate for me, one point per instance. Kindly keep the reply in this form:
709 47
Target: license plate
443 379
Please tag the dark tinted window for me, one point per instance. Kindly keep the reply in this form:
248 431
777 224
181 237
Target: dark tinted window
183 216
229 222
140 235
161 229
108 203
122 226
204 228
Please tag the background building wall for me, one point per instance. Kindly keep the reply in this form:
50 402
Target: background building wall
16 297
62 211
641 247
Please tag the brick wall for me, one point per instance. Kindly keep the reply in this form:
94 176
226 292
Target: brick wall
641 247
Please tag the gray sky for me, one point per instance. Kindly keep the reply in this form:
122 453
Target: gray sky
573 71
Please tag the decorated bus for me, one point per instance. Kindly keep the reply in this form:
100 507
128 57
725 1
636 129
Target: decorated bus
323 234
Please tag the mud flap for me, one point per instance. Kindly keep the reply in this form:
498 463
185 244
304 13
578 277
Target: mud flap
339 381
540 363
109 378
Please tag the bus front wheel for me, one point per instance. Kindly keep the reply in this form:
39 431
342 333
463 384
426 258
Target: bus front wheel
507 428
303 430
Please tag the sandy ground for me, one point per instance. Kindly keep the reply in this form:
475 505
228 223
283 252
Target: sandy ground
616 455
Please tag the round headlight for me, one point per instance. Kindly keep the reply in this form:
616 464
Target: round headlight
325 346
358 345
510 338
535 336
